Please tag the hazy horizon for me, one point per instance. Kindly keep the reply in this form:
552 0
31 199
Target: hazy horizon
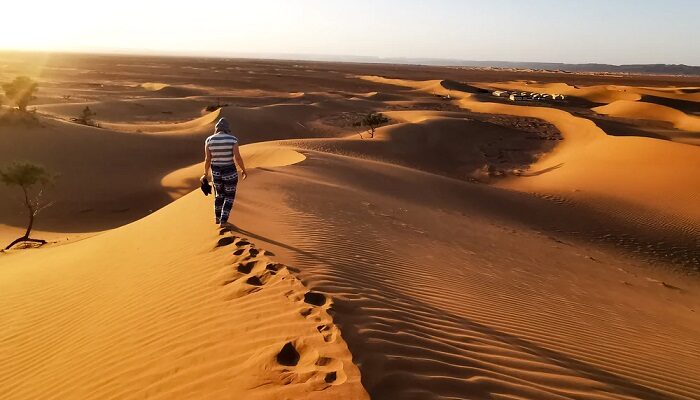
543 31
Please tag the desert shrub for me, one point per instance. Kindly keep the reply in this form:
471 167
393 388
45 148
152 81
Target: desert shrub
86 117
32 179
372 121
214 107
21 91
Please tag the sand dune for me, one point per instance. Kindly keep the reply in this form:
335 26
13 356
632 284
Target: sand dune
130 110
379 96
445 143
106 178
175 318
677 93
597 94
252 124
164 89
649 111
579 167
91 195
434 86
472 308
481 326
195 126
124 189
568 271
604 94
181 182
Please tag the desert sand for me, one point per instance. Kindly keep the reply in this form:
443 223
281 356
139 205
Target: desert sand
473 248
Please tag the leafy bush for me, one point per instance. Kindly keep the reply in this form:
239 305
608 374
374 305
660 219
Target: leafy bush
214 107
21 91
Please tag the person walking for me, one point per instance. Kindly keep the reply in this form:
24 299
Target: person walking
221 155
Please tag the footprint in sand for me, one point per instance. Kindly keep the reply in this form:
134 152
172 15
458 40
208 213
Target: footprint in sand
324 371
274 268
251 278
250 275
252 252
247 267
225 241
315 298
331 376
288 356
258 280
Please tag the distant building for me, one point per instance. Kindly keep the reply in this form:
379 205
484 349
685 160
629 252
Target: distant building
519 97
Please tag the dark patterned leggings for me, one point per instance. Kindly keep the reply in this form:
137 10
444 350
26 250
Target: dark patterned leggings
225 181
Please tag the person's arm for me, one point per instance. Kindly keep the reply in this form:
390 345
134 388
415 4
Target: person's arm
207 163
239 161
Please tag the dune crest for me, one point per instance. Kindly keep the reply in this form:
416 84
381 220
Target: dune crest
182 181
194 126
650 111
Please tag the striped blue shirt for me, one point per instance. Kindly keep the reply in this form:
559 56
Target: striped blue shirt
221 145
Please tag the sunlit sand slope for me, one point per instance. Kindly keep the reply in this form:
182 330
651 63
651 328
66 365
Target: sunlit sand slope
167 307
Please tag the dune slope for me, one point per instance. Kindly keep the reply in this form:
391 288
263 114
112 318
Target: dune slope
166 307
445 289
579 168
106 178
649 111
572 276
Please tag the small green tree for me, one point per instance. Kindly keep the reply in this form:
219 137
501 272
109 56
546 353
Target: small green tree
373 121
26 176
21 91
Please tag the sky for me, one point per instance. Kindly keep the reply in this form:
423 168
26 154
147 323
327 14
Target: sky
570 31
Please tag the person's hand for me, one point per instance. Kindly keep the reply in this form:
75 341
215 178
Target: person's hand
244 175
203 178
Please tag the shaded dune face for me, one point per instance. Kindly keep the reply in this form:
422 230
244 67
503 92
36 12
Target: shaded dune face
106 178
473 248
446 294
448 144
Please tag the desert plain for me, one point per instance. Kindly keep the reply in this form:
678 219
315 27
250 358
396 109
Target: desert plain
473 247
